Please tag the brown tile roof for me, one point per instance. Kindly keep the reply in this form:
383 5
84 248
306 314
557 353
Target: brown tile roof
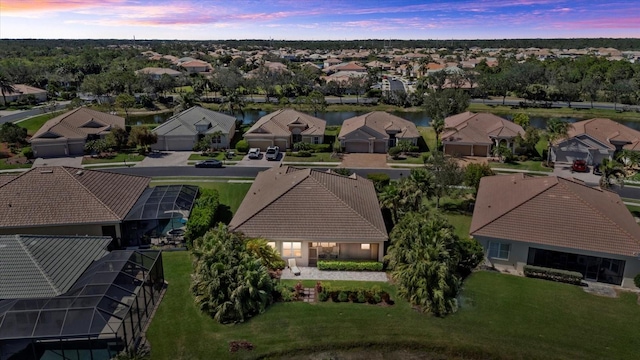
377 123
554 211
22 89
607 132
78 123
481 128
290 203
5 178
277 123
65 195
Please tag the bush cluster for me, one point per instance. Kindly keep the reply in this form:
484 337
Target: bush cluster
394 151
636 280
242 146
380 180
569 277
320 147
203 215
374 295
350 265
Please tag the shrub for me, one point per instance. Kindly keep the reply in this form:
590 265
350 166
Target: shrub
242 146
320 147
203 215
27 152
360 298
380 180
373 295
343 296
414 148
569 277
323 295
636 280
301 146
303 153
267 255
395 151
349 265
286 293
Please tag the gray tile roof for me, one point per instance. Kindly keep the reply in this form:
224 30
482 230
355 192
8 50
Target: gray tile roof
78 124
277 123
65 195
554 211
185 122
290 203
34 266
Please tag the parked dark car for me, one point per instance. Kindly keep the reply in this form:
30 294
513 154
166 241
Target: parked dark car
596 170
579 166
213 163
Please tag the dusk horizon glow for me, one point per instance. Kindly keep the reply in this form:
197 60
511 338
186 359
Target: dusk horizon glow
327 20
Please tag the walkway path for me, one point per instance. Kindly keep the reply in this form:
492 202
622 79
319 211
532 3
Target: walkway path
312 273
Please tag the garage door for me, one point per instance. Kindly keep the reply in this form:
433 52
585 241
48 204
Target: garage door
569 156
179 144
262 144
480 150
282 144
457 150
379 147
356 147
47 151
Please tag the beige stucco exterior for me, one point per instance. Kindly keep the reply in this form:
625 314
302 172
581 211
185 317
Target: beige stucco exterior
519 254
348 250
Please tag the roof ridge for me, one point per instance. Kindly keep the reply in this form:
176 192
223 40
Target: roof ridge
37 265
342 201
88 191
603 215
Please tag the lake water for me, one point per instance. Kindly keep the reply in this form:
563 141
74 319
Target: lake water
337 117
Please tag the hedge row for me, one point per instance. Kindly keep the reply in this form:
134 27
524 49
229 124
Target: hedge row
374 295
203 215
569 277
350 265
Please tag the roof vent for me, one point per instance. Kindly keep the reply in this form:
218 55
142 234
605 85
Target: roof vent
46 171
79 172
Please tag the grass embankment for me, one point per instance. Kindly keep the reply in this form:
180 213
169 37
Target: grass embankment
502 317
555 112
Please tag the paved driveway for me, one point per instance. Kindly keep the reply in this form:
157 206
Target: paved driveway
72 161
564 170
166 158
369 161
261 162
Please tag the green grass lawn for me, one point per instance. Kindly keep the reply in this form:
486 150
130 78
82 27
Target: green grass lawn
462 223
501 317
220 156
408 159
521 165
429 136
231 194
556 112
120 157
35 123
315 157
5 166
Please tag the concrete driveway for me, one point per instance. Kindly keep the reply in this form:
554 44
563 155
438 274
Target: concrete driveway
165 158
369 161
261 162
564 170
71 161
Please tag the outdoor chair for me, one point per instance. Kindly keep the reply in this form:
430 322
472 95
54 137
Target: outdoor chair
292 266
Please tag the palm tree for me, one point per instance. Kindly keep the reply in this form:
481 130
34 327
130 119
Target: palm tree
612 174
438 128
629 158
235 103
556 130
389 198
6 87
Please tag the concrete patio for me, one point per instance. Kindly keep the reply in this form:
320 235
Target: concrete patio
312 273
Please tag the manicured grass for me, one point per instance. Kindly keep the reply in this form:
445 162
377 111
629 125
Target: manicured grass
220 156
5 166
462 223
315 157
35 123
408 159
556 112
120 157
332 130
521 165
429 136
501 317
231 194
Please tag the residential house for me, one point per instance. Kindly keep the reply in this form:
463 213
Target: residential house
196 66
23 92
69 297
284 128
156 73
471 134
310 215
558 223
68 201
66 134
376 132
182 131
594 140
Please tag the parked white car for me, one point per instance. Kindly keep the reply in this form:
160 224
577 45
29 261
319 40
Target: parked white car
254 153
272 153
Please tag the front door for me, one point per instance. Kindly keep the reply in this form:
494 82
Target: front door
313 256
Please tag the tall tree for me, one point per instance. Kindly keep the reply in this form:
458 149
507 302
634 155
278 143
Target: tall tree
557 129
6 87
142 137
439 105
446 175
126 102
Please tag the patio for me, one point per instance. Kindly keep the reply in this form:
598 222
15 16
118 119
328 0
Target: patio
312 273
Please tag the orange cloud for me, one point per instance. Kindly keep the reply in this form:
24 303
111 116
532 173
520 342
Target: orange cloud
15 6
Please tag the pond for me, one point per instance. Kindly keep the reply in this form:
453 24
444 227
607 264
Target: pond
333 118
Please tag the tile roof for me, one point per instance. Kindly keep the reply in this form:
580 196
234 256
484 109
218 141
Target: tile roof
554 211
607 132
22 89
77 124
277 123
65 195
36 266
377 124
481 128
185 122
291 203
158 71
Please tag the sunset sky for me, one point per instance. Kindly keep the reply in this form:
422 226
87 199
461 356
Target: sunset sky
317 20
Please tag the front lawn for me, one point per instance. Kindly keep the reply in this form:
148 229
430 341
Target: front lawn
429 136
35 123
409 159
521 165
218 155
117 158
5 166
315 157
502 317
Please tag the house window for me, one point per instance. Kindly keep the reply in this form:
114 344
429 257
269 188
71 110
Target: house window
292 249
499 250
316 140
296 138
272 244
365 246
